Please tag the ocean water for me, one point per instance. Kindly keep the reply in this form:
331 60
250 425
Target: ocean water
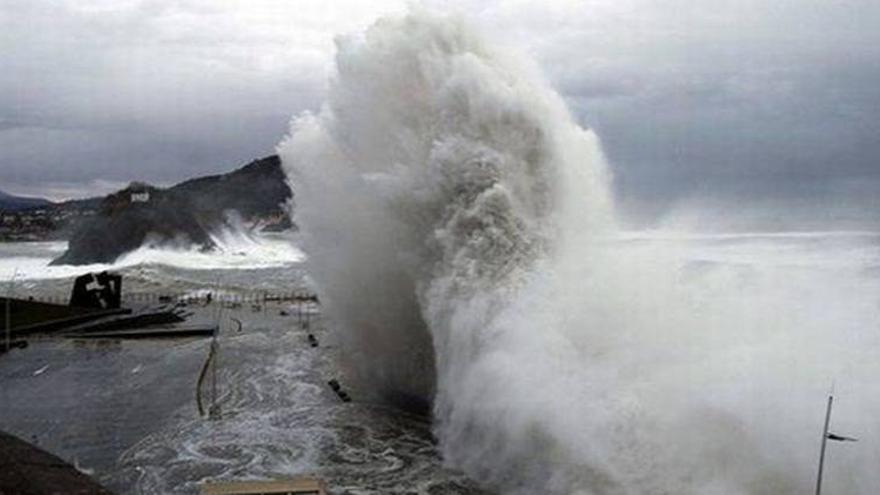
125 411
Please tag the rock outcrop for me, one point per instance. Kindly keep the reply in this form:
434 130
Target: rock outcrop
183 215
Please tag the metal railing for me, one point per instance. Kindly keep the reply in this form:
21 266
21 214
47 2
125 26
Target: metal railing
203 297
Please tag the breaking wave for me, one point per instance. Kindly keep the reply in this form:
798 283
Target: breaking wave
460 230
234 250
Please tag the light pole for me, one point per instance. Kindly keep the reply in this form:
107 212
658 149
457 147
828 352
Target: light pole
824 442
827 435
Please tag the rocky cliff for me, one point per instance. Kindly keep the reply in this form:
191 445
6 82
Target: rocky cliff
185 214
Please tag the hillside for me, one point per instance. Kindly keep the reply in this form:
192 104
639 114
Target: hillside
183 215
9 202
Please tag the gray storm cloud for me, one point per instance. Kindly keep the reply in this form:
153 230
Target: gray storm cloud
764 105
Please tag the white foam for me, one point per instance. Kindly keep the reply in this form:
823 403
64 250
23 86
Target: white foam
459 229
235 250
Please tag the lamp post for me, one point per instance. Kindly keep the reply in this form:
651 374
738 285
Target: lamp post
827 435
824 442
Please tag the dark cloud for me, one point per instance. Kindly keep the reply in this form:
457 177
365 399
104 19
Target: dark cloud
721 101
695 102
159 91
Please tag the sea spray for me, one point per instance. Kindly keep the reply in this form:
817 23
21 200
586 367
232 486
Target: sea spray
459 228
435 166
234 250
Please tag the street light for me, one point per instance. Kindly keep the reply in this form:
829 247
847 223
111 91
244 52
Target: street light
827 435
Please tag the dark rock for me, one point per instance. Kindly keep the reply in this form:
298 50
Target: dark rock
183 215
337 388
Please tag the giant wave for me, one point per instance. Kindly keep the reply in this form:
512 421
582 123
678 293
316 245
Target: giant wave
460 229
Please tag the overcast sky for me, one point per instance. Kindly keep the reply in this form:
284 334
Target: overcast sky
751 101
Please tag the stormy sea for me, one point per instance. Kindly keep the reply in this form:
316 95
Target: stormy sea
497 326
722 372
125 412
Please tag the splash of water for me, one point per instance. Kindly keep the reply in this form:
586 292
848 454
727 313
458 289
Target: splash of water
234 250
459 227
